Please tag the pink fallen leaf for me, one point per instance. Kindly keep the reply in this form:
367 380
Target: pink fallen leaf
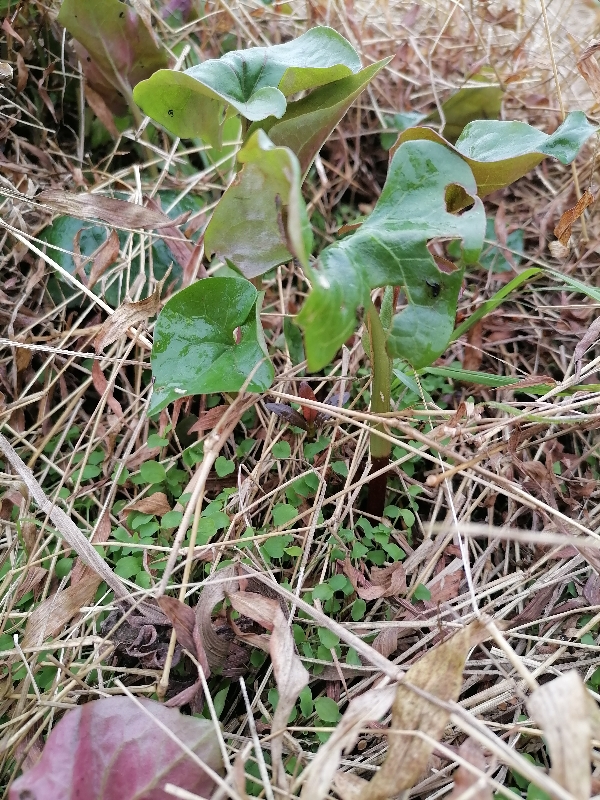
112 749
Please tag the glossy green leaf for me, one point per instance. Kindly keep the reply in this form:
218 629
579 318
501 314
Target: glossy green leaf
500 153
391 249
195 343
254 82
115 47
261 219
307 123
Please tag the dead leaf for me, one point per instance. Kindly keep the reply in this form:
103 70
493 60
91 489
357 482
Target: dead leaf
565 224
10 31
386 582
208 420
445 585
465 780
370 706
104 257
100 535
102 387
349 786
6 71
290 674
33 577
127 315
22 73
97 207
156 504
386 641
561 709
49 618
589 338
589 69
439 673
96 102
216 647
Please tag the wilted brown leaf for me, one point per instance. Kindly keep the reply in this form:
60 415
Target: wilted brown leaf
127 315
156 504
97 207
216 647
100 535
439 673
33 577
102 387
386 641
370 706
465 780
565 224
48 618
104 257
101 110
290 675
561 709
588 339
385 582
589 69
208 420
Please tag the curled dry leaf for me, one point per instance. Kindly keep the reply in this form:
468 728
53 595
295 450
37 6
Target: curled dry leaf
208 420
371 705
49 618
565 224
103 388
439 673
589 69
126 315
216 647
98 208
562 709
290 674
385 582
588 339
467 781
156 504
104 257
114 749
33 577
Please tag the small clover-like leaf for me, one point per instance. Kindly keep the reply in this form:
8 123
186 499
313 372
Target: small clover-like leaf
198 348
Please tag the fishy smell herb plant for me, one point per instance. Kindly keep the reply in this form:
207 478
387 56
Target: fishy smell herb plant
433 191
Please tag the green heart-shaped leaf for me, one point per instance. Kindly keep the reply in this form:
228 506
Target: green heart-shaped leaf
307 123
500 153
196 348
261 219
391 249
255 82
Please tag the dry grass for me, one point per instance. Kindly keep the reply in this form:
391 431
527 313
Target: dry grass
501 529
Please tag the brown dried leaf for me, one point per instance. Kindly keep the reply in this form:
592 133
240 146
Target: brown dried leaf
349 786
445 585
33 577
48 618
126 315
208 420
101 534
589 338
386 641
561 709
589 69
304 391
370 706
186 627
104 257
464 779
102 387
216 647
565 224
96 102
439 673
156 504
96 207
290 675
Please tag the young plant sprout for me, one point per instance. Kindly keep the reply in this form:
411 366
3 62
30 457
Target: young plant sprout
433 191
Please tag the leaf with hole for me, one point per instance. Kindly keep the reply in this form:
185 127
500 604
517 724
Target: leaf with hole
501 152
254 83
391 249
261 219
208 338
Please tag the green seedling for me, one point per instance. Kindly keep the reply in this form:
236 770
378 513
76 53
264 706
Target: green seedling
208 337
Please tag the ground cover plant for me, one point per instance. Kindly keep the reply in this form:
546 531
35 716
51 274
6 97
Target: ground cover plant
298 408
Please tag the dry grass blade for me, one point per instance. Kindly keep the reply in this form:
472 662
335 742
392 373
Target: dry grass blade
370 706
561 709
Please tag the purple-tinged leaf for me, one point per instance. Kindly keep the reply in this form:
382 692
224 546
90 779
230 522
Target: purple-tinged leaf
287 413
112 749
